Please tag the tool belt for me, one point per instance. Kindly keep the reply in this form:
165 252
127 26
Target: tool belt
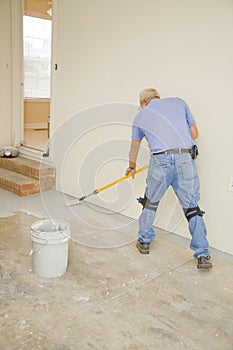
193 151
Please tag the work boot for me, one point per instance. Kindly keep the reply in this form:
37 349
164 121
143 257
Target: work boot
143 247
203 262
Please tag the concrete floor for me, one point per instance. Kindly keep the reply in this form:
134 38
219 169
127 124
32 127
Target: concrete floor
111 297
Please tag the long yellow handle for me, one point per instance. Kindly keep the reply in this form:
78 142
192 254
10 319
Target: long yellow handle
120 179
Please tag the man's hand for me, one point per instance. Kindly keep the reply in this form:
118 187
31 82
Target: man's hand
131 171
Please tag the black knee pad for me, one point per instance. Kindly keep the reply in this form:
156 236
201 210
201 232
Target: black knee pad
146 203
191 212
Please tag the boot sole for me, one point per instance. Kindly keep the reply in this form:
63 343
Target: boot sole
142 251
204 266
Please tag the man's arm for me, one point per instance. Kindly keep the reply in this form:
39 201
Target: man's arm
133 153
193 131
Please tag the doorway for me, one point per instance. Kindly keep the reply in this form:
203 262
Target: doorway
37 43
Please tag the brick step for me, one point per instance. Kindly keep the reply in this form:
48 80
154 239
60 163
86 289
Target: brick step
18 184
28 167
24 176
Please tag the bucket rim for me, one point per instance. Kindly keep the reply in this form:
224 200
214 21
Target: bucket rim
38 233
35 224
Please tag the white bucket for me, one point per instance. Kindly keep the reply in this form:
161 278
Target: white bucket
50 247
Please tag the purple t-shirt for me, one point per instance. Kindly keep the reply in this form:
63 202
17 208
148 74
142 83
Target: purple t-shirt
165 124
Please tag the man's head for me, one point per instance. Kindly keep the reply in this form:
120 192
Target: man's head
147 95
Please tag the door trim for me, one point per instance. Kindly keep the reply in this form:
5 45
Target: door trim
17 92
17 89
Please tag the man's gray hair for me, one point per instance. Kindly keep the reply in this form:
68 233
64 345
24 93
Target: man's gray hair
148 94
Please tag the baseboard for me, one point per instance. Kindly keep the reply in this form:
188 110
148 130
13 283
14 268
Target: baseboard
37 126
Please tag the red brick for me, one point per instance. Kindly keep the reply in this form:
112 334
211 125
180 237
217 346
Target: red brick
22 185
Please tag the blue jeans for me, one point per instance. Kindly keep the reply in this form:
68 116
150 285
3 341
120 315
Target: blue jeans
179 171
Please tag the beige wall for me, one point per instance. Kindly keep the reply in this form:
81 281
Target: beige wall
5 73
36 113
107 51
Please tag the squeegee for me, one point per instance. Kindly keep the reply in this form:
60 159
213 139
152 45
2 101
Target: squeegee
98 190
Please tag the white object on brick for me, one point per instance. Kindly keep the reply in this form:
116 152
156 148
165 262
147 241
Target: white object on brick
9 152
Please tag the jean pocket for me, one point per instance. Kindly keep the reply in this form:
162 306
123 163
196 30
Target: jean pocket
157 172
187 170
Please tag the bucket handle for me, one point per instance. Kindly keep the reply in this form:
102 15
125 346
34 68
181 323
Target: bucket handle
38 250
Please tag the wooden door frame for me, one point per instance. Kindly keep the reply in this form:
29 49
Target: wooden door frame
17 80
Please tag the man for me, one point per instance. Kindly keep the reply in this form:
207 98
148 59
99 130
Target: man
170 130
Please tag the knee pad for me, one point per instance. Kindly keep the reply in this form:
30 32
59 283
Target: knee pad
146 203
191 212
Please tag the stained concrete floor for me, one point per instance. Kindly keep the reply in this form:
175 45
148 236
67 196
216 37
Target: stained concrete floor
111 297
